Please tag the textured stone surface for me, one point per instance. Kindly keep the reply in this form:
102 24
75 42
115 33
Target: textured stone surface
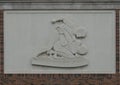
59 4
60 1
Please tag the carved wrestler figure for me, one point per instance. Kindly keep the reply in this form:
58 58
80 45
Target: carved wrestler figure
67 46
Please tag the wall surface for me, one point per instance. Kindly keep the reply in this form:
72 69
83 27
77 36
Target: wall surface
59 79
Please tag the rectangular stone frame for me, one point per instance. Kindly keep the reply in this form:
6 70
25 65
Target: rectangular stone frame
56 79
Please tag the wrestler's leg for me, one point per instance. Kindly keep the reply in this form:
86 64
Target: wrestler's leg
63 50
73 46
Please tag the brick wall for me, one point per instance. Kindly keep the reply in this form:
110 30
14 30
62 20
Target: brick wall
1 41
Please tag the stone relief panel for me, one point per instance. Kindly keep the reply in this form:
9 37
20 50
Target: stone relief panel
56 41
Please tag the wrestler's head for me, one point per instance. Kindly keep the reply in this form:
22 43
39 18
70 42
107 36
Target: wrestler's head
59 20
58 24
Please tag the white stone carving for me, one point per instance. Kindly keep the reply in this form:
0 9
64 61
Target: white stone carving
68 50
